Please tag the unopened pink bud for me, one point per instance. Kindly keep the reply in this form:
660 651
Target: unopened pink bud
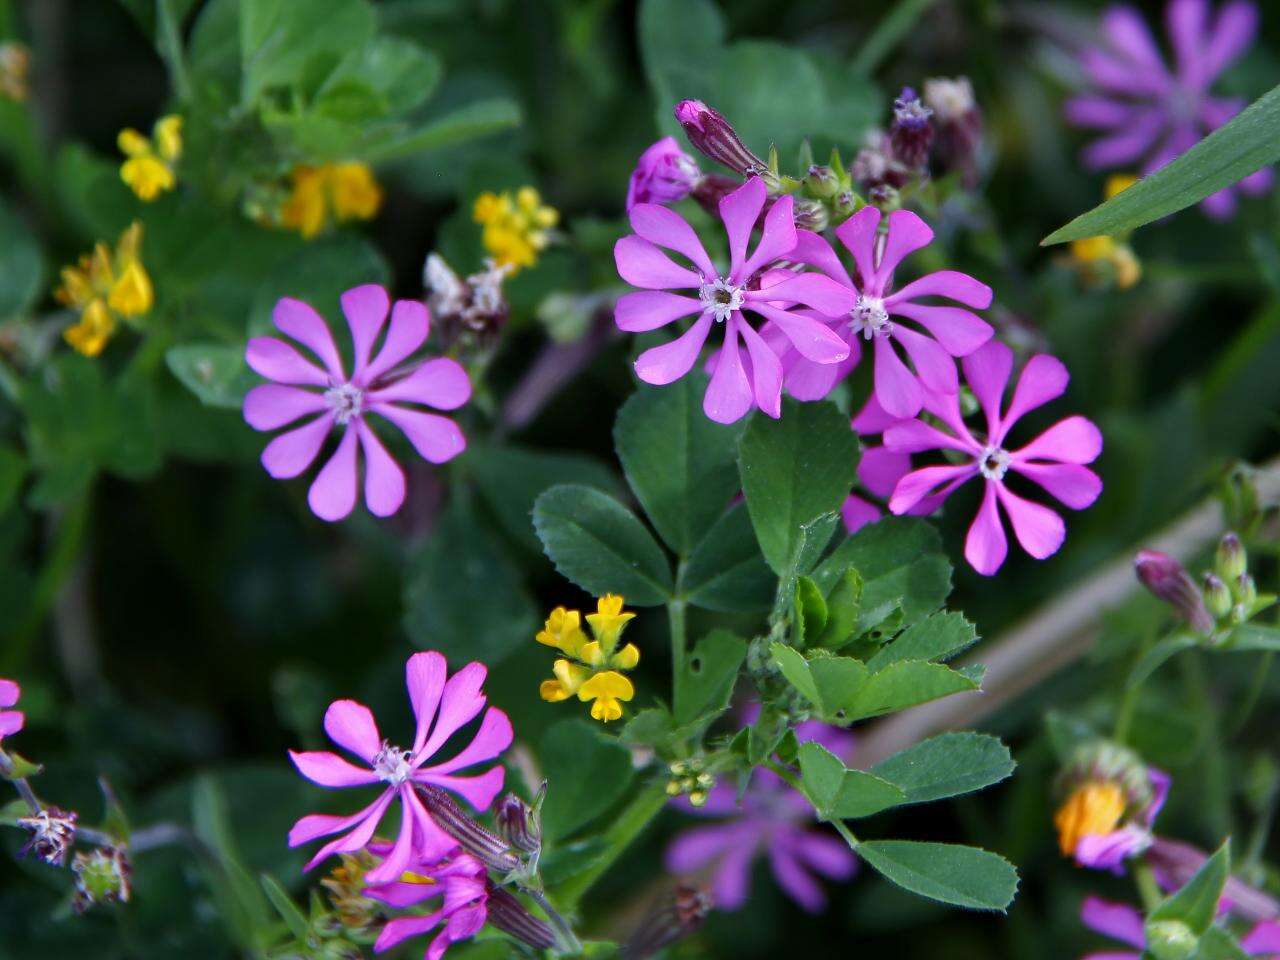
713 135
1168 579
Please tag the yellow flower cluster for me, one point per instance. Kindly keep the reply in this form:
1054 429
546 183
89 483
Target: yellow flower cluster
106 288
591 669
516 229
331 191
15 60
1104 258
1093 809
149 169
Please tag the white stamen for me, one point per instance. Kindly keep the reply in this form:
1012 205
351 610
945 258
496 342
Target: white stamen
345 400
392 765
869 318
994 462
721 297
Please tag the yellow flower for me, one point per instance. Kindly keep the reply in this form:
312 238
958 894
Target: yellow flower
332 191
14 62
1093 809
1100 260
149 169
516 229
106 288
1118 182
593 672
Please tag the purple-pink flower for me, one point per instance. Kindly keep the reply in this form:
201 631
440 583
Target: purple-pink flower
950 331
1151 113
460 883
879 469
1054 460
383 385
441 707
11 721
747 370
663 174
1120 921
772 819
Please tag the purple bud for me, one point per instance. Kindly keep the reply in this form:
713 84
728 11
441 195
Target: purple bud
810 215
712 134
713 188
958 124
53 831
1230 561
911 133
509 915
519 823
1216 596
663 174
486 847
1168 579
676 915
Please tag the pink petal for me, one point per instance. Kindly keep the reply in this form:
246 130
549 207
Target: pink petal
858 234
494 736
436 438
826 854
424 677
1187 22
915 436
777 239
880 469
766 372
1128 143
1128 34
1076 486
695 848
478 791
740 210
813 249
857 513
897 389
872 418
666 228
956 329
460 701
1119 921
399 929
330 770
299 321
384 482
642 264
271 405
1044 378
1116 74
290 453
410 324
1073 440
1264 938
918 484
1258 182
431 842
907 234
1038 529
936 369
401 895
985 546
946 283
366 309
1098 111
728 396
794 880
813 339
731 884
9 693
671 361
440 382
1234 30
11 722
401 855
351 726
276 360
333 492
806 380
1220 205
647 310
987 369
315 825
813 290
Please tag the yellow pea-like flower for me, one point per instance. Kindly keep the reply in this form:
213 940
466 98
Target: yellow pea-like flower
608 620
592 669
106 288
149 168
516 229
331 192
563 630
95 328
1093 809
605 690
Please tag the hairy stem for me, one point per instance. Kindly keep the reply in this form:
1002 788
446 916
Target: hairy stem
568 941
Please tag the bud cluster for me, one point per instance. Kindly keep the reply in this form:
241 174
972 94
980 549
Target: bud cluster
689 778
103 876
1226 596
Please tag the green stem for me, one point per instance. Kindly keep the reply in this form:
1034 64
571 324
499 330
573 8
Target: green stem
568 940
1129 701
170 43
1148 889
1216 782
1254 693
794 782
676 608
644 806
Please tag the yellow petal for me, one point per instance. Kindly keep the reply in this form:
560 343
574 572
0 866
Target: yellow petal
1118 182
76 290
147 176
606 709
306 210
132 143
627 657
168 137
95 328
553 691
356 194
1093 809
608 683
1091 248
591 653
131 295
571 675
99 268
129 245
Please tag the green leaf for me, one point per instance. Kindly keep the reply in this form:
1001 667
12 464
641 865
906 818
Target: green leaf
401 73
905 684
844 603
1066 732
681 43
239 900
1155 657
587 772
832 684
1253 636
810 610
464 597
725 572
1218 944
946 766
837 792
470 122
901 561
705 683
888 32
680 463
1244 144
794 470
1196 902
963 876
13 470
599 544
938 637
772 93
511 477
293 918
281 39
21 270
216 373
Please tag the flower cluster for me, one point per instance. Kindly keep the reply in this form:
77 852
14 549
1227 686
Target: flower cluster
516 229
388 383
591 669
106 288
150 168
330 192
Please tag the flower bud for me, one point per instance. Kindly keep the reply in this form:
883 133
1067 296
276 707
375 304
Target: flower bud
911 133
102 876
713 188
1167 579
1230 561
509 915
53 831
663 174
1171 940
810 215
519 823
486 847
675 916
885 197
1246 592
712 134
958 124
821 182
845 204
1216 596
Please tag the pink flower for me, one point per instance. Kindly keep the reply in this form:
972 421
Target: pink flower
1150 113
1119 921
451 704
950 331
381 385
664 174
460 883
1054 459
11 721
772 819
1109 851
879 470
741 375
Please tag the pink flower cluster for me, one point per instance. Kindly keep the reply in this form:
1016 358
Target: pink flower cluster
442 706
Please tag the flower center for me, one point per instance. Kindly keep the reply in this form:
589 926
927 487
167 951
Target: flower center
869 318
721 297
345 400
994 462
392 765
